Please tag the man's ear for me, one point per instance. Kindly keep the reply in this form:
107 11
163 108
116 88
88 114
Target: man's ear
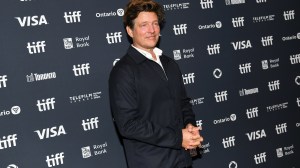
129 31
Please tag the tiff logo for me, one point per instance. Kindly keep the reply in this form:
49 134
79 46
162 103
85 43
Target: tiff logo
295 59
289 15
233 2
72 17
213 49
252 113
8 141
261 1
32 20
36 47
267 41
3 80
221 96
228 142
245 68
238 22
206 4
82 69
298 101
199 123
114 37
260 158
44 105
180 29
281 128
55 159
188 78
274 85
90 124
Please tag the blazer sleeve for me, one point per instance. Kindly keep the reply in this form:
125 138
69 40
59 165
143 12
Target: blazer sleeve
124 106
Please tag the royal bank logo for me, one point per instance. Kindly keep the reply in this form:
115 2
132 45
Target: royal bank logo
245 68
36 47
206 4
267 18
15 110
81 69
72 17
246 92
29 21
267 41
3 81
221 96
206 147
197 101
277 107
46 104
180 29
51 132
188 78
271 63
274 85
55 159
86 152
261 1
213 49
184 53
218 25
289 15
281 128
80 42
234 2
295 59
252 112
90 124
291 37
89 151
176 6
260 158
8 141
255 135
40 77
285 151
238 22
85 97
118 12
228 142
113 38
241 45
230 118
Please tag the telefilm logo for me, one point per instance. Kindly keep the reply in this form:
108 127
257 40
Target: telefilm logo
118 12
188 78
246 92
115 37
85 97
94 150
8 141
51 132
291 37
277 107
29 21
80 42
3 81
269 64
241 45
184 53
295 59
252 112
217 25
197 101
40 77
231 118
81 69
255 135
213 49
36 47
15 110
72 17
267 18
289 15
228 142
90 124
206 4
180 29
260 158
55 159
234 2
285 151
176 6
245 68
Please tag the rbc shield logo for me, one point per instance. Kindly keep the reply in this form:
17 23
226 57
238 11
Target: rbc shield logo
68 43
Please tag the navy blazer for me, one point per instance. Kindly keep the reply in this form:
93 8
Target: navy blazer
150 108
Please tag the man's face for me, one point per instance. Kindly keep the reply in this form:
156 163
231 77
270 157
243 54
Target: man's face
145 32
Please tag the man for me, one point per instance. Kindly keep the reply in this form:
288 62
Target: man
148 98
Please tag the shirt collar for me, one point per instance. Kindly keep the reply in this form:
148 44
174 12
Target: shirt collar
157 52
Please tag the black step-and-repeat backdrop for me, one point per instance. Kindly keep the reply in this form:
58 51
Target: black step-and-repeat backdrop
240 61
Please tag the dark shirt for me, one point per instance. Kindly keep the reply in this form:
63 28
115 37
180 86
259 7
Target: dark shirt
150 109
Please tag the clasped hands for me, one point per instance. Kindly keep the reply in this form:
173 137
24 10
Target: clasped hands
191 137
